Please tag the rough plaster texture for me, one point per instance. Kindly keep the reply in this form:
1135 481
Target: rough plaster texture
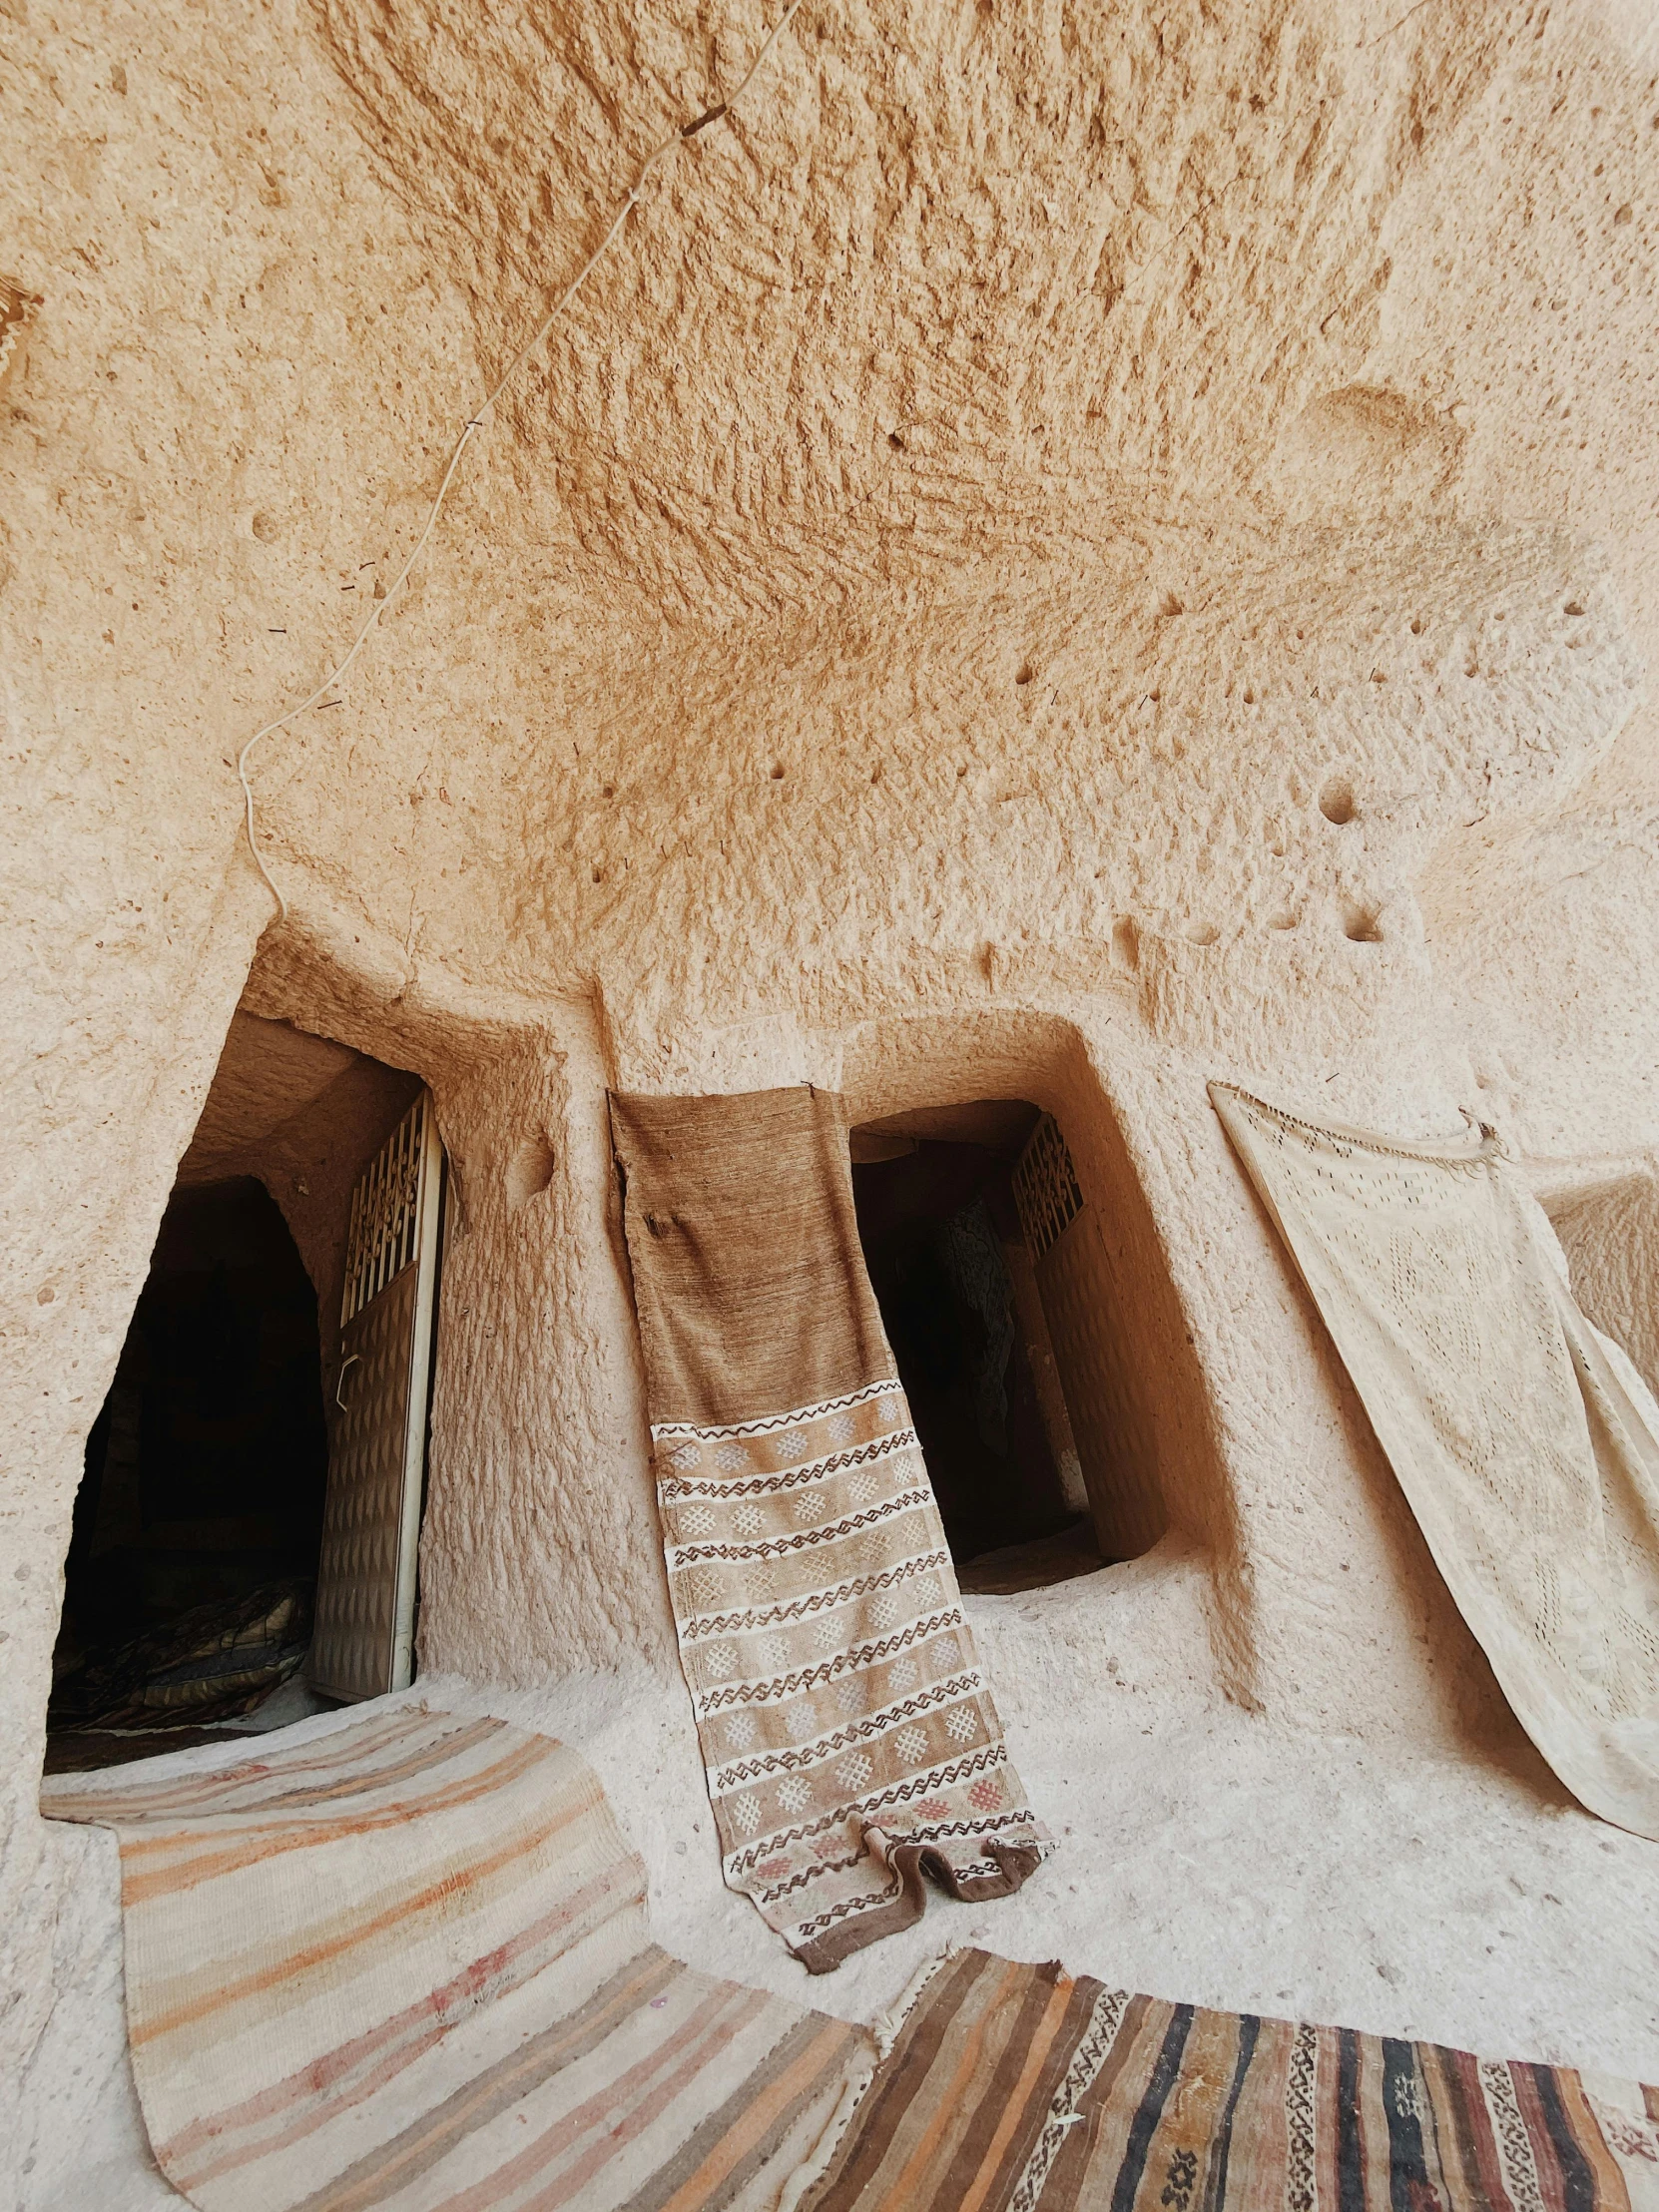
305 1117
1072 552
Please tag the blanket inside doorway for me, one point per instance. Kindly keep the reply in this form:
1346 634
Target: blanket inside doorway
403 1967
849 1734
1526 1442
1016 2088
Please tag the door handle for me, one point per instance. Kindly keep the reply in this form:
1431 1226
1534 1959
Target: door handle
351 1359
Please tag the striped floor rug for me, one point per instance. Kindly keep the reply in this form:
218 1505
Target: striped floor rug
1015 2088
403 1967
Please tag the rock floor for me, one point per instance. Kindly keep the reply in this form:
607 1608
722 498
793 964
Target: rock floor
1204 1856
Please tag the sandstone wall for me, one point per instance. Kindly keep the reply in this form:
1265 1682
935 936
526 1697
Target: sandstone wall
1072 552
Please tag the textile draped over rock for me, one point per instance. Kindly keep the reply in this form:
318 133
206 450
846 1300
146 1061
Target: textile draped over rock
1524 1440
849 1734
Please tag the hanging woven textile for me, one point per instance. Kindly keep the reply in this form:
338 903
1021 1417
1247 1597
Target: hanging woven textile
848 1737
1526 1442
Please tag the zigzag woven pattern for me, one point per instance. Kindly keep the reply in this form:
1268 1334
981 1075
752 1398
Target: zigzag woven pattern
849 1734
831 1671
1018 2088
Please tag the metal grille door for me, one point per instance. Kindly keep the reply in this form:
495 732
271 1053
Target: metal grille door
366 1583
1074 1279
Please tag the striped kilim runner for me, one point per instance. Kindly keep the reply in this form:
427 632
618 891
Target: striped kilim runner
1015 2088
849 1734
403 1967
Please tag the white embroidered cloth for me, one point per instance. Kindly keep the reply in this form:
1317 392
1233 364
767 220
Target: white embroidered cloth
1526 1441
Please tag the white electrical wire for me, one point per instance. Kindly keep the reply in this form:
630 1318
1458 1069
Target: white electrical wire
474 423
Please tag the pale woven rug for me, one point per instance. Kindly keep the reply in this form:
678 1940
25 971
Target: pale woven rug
848 1734
1524 1440
403 1967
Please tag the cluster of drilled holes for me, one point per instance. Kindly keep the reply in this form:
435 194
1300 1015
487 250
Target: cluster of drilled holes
1337 801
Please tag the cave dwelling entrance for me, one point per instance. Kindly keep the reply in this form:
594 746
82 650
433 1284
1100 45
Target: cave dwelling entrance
987 1265
244 1534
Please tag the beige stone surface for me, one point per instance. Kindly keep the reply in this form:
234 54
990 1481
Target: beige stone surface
1070 553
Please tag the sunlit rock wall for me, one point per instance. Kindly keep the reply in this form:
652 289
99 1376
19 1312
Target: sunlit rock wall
1066 552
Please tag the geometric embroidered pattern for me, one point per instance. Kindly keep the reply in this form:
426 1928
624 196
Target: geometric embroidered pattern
814 1593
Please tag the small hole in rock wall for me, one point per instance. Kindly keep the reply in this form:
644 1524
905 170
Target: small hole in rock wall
1024 673
1626 214
1126 943
777 772
1360 925
1284 920
266 528
1572 608
607 791
530 1172
1416 626
1203 932
1169 605
962 772
1336 802
1249 697
895 442
599 874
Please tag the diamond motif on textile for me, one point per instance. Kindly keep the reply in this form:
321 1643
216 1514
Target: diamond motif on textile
773 1651
884 1608
987 1794
856 1771
720 1659
891 1410
700 1587
731 1459
911 1744
683 1456
696 1520
864 1486
829 1634
746 1520
745 1813
962 1723
785 1447
849 1695
903 1673
792 1794
842 1428
742 1730
873 1550
934 1809
805 1505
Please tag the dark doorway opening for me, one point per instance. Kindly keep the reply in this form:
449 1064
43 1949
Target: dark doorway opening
193 1551
947 1258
